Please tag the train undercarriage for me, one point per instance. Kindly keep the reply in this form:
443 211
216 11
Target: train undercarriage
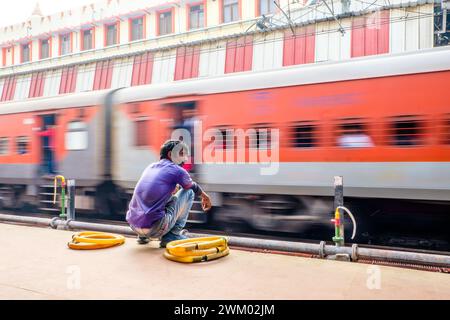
391 222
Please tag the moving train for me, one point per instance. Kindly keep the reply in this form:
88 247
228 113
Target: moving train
382 122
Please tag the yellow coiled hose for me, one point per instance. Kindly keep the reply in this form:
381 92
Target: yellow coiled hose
89 240
197 249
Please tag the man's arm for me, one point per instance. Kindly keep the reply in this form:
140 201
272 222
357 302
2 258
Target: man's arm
206 200
187 183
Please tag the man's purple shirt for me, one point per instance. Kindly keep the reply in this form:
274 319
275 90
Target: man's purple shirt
153 190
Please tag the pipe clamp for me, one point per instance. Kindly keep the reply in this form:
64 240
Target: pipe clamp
354 256
322 249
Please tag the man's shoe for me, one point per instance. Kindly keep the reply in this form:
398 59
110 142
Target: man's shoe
169 237
143 240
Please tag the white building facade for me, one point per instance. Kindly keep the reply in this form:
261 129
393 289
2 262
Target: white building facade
119 43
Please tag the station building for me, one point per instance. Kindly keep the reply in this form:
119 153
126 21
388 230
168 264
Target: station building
117 43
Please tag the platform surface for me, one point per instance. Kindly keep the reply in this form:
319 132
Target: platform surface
35 263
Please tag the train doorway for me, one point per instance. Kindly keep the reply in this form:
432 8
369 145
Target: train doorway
184 116
47 134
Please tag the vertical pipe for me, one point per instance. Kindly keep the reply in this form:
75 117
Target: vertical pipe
339 201
71 205
63 201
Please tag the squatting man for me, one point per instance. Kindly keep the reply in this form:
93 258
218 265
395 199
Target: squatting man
158 209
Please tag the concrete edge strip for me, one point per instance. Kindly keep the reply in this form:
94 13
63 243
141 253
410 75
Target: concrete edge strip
264 244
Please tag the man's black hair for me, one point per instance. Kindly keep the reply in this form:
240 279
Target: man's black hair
166 147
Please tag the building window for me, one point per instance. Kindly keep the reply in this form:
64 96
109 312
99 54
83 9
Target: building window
87 39
37 85
65 44
441 38
22 145
239 55
3 146
45 49
196 16
8 56
266 7
142 69
230 10
141 133
111 35
137 29
68 80
407 131
303 135
9 89
370 34
26 52
187 63
299 48
165 23
352 133
103 75
76 136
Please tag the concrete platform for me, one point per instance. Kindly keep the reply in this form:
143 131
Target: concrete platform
35 263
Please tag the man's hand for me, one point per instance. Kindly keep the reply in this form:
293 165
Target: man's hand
206 201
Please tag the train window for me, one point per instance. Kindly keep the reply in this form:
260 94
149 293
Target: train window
134 108
3 146
22 145
227 139
76 136
446 131
352 133
302 135
407 131
141 133
263 138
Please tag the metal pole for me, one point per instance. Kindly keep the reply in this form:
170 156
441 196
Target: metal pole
444 6
71 204
339 237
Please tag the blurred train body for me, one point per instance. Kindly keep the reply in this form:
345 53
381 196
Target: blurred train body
104 139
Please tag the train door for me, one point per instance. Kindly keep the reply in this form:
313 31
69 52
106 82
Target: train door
47 136
184 117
